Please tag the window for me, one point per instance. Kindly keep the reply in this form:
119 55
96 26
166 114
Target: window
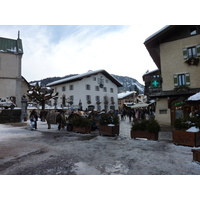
94 79
181 79
111 90
71 98
105 89
63 88
97 98
96 88
101 81
88 98
191 52
163 111
87 87
71 87
193 31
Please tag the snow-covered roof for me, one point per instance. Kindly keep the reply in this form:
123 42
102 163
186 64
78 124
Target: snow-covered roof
162 29
125 94
151 71
195 97
89 73
11 46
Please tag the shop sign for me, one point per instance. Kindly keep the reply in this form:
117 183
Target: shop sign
179 103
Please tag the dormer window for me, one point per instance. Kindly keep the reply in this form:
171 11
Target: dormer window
193 31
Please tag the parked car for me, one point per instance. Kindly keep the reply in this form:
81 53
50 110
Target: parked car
6 103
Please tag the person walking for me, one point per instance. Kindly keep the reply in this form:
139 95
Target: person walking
34 114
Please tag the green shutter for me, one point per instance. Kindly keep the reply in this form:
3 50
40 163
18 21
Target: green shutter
175 80
185 55
187 79
198 50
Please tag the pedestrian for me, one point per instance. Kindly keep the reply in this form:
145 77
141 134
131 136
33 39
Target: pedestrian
129 115
32 122
34 114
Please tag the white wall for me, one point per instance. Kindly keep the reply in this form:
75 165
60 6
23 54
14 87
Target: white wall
79 92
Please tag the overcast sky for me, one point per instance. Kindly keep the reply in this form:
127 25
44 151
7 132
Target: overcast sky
60 50
86 35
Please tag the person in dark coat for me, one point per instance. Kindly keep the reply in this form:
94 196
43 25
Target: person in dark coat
34 113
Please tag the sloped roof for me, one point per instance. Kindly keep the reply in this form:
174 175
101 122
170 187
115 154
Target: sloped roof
81 76
125 94
153 41
11 46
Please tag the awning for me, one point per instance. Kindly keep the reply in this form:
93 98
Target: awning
140 105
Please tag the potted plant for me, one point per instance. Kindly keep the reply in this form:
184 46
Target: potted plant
148 129
109 124
81 125
186 132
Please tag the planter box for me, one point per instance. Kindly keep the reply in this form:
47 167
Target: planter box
196 154
144 134
191 139
108 130
82 129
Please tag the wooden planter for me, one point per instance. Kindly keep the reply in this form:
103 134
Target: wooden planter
144 134
191 139
108 130
82 129
196 154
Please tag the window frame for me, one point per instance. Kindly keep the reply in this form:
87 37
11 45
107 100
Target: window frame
88 87
71 87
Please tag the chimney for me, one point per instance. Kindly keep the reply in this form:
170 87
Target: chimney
18 35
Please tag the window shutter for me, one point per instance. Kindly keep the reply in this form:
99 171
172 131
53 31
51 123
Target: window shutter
185 55
198 50
175 80
187 79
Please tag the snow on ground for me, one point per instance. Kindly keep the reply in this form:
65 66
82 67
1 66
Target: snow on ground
102 156
108 155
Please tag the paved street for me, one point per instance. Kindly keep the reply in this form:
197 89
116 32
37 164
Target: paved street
56 152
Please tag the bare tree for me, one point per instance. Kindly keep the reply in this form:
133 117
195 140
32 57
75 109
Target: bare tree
40 94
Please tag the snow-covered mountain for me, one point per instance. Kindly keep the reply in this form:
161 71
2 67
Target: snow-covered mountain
129 84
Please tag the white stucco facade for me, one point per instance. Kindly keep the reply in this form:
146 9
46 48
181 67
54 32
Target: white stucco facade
91 89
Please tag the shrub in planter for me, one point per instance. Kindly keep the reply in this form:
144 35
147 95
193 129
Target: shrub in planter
109 124
82 125
183 137
148 129
108 118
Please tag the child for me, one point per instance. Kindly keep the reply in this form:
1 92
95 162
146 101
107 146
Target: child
32 122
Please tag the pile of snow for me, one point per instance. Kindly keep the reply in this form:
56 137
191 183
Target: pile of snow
192 129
